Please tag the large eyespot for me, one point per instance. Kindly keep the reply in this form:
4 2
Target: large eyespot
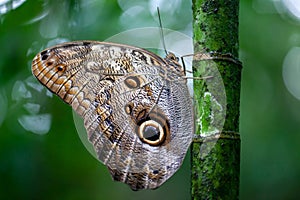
154 129
151 133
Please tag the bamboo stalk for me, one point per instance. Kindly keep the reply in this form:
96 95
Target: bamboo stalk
215 153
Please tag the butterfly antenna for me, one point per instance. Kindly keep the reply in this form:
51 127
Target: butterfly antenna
161 31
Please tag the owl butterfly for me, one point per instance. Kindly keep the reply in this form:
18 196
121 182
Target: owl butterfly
136 106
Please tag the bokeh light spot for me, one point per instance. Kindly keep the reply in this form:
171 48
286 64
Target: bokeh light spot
291 71
38 124
293 7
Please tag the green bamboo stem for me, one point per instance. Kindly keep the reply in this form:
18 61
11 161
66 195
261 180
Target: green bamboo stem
215 156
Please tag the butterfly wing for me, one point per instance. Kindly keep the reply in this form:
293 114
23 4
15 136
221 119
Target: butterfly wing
137 112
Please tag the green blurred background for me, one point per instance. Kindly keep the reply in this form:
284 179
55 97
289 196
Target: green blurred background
41 155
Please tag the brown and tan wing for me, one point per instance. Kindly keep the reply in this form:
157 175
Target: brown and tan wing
137 112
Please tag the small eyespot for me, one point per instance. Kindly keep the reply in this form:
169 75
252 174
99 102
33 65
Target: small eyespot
45 56
49 63
60 68
132 82
128 108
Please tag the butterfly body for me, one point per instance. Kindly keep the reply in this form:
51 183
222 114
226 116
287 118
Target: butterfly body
136 106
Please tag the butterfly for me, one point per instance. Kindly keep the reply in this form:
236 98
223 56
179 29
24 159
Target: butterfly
136 107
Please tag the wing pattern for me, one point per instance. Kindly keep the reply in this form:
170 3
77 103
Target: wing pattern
136 106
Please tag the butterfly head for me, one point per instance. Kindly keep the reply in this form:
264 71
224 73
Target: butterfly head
173 61
172 57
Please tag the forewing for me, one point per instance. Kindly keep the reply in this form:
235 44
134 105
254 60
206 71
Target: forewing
77 71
